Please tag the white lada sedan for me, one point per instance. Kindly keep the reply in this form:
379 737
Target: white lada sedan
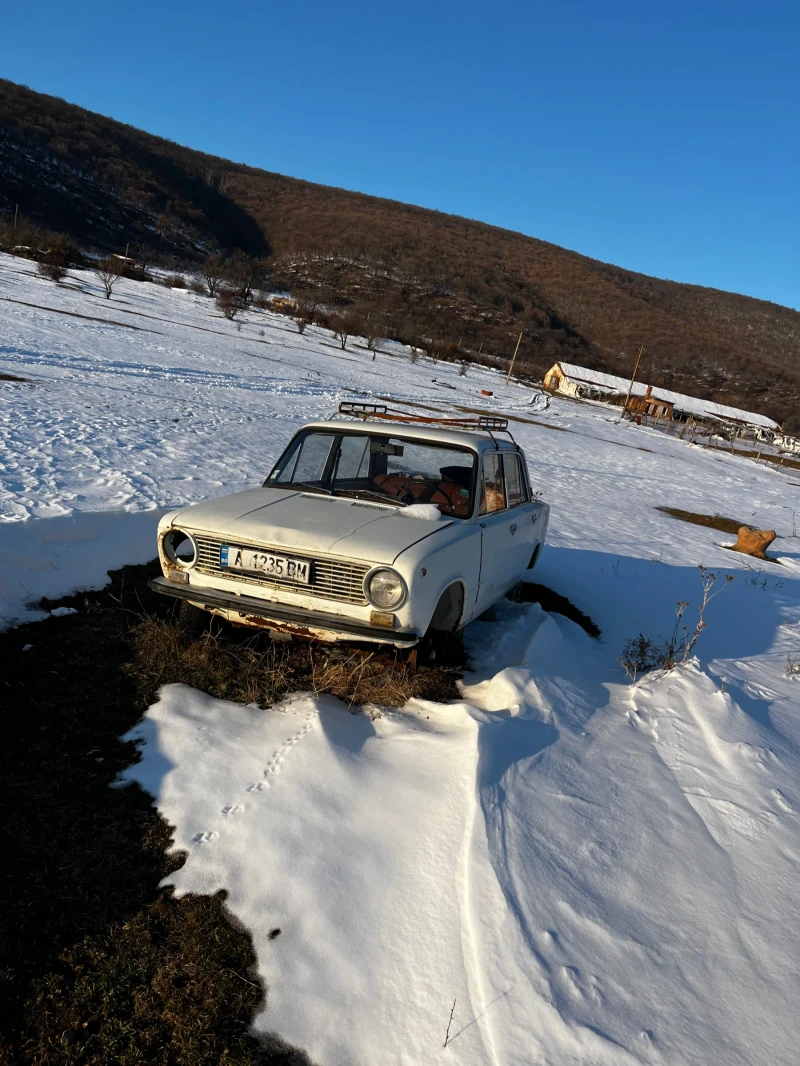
375 528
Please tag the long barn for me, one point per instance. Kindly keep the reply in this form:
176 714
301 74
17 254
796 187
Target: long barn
580 382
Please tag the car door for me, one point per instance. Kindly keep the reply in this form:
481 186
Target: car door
498 556
525 515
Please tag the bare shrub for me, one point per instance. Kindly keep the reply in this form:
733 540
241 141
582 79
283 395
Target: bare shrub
108 272
197 286
641 654
463 368
175 281
414 356
301 322
54 265
228 303
793 666
249 674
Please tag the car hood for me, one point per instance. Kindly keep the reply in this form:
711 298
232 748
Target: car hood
311 523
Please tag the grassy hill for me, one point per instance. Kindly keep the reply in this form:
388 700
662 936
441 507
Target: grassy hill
468 285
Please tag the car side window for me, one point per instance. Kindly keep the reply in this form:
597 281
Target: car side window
493 492
515 481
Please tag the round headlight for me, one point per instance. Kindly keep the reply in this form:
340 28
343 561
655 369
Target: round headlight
180 548
385 589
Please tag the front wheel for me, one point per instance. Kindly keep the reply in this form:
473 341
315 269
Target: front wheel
441 648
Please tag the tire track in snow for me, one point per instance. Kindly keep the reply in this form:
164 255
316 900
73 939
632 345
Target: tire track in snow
470 938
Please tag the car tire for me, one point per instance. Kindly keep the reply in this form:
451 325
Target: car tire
514 594
442 648
191 620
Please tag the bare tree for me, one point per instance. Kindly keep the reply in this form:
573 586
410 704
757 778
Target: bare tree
145 255
343 326
109 271
244 272
229 303
372 330
306 304
214 270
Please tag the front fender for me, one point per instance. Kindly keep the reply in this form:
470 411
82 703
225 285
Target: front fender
455 563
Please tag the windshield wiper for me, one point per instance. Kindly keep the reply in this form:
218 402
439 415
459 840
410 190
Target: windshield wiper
313 488
374 495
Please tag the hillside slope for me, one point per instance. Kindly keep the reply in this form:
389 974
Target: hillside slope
429 273
586 872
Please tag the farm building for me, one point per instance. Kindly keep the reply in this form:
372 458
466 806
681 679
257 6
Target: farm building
582 383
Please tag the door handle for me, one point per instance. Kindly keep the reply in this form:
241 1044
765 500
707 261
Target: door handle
513 528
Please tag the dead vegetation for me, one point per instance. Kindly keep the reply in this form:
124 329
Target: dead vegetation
711 521
252 669
642 654
98 964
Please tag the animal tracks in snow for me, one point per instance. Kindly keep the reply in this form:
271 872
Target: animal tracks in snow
274 766
204 838
278 758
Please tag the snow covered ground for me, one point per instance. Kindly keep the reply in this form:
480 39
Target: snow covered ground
594 872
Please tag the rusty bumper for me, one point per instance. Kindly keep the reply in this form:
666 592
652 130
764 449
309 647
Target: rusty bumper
285 617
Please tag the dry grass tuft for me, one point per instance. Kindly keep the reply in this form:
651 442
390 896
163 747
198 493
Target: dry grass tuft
257 670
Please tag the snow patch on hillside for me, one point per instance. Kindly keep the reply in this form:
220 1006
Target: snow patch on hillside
596 873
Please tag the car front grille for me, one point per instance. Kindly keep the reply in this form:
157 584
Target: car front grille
329 578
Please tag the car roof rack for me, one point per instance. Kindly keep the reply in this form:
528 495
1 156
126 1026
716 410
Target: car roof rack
380 412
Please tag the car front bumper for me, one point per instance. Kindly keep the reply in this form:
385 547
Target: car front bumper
280 617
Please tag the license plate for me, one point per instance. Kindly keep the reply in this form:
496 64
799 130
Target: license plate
265 563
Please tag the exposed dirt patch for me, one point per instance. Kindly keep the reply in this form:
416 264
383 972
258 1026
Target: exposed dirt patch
555 603
711 521
13 377
513 418
715 521
98 964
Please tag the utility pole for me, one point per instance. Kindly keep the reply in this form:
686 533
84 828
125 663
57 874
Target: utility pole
633 378
16 215
513 358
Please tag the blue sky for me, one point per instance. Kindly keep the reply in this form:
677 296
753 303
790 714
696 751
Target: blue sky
662 138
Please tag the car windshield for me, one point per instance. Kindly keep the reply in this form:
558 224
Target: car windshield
381 468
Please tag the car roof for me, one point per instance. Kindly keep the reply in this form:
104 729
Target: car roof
462 438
